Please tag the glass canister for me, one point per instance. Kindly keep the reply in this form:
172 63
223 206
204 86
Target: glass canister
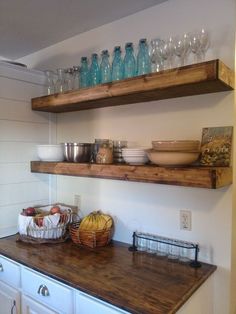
103 151
105 68
117 151
117 73
129 62
84 73
143 58
94 70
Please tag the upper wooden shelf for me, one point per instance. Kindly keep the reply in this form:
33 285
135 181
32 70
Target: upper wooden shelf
201 78
203 177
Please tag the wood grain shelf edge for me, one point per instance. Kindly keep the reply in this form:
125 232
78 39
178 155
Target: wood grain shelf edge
203 177
206 77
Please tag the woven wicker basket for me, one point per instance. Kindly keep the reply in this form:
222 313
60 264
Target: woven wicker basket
91 239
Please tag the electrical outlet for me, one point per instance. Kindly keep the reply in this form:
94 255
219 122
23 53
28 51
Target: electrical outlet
185 220
77 201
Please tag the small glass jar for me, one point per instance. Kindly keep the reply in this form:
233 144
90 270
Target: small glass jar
103 152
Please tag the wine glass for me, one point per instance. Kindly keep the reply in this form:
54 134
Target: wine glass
204 39
199 43
166 52
155 56
182 48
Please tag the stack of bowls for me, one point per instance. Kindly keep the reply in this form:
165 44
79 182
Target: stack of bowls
174 153
135 156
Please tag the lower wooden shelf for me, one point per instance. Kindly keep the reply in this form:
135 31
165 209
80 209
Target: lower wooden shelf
203 177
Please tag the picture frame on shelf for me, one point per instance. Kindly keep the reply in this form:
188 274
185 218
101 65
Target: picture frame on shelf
216 146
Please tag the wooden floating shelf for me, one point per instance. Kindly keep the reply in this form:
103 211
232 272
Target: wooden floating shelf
201 78
203 177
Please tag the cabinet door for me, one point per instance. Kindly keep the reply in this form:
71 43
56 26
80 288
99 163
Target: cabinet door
89 305
9 300
29 306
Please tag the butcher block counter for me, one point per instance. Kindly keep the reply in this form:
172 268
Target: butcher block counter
137 282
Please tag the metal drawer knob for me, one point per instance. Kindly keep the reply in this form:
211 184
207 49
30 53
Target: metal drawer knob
43 290
1 267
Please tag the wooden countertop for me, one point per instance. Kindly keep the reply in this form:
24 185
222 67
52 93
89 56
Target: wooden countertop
136 282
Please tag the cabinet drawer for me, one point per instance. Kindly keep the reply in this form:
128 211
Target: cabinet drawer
86 304
9 272
47 291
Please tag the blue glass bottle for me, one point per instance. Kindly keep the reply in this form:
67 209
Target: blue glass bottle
105 67
117 73
143 58
129 63
84 73
94 71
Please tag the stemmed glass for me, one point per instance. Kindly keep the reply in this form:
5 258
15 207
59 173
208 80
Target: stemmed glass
155 55
199 44
165 50
182 48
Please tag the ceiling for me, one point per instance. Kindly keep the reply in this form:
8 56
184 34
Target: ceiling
27 26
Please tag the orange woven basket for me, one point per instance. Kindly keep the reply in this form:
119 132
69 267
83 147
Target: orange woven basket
91 239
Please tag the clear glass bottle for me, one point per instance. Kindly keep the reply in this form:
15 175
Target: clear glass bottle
94 71
70 78
105 67
61 84
117 65
143 58
129 63
49 81
84 73
76 76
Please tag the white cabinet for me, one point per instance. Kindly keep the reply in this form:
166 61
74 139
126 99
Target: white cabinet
9 272
47 291
9 299
29 306
85 304
25 291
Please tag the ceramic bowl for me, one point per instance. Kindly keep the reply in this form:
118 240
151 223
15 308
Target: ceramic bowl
50 152
172 158
188 145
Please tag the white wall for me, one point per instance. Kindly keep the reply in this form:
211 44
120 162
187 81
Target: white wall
20 130
150 207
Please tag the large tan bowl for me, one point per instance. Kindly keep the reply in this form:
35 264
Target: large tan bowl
176 145
172 158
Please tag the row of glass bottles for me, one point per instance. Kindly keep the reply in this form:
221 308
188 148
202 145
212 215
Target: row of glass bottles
120 69
85 76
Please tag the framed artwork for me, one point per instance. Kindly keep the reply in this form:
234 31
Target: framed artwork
216 146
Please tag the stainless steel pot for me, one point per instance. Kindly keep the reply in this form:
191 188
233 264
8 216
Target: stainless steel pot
77 152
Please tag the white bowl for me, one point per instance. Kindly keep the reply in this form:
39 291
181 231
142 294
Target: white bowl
140 160
172 158
50 152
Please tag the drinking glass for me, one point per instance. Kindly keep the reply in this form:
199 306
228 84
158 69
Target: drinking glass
50 83
173 250
69 78
162 247
182 48
185 253
61 84
142 243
